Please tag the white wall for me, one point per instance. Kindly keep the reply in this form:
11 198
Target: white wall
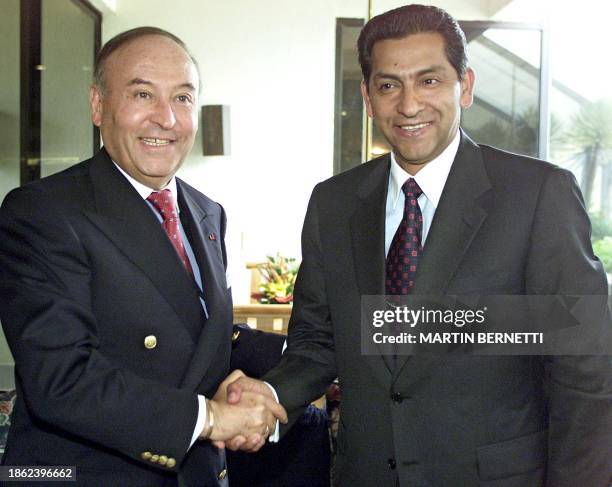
64 86
272 62
460 9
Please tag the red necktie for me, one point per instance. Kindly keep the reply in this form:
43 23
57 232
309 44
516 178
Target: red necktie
164 203
406 248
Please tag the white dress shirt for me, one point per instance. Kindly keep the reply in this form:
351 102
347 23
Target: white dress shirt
431 179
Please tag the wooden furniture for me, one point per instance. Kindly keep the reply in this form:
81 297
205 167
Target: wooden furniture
265 317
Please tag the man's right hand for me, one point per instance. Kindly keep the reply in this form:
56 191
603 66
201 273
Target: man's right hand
235 391
244 383
248 417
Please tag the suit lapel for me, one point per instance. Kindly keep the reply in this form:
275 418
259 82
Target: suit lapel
204 238
367 225
207 250
123 216
457 220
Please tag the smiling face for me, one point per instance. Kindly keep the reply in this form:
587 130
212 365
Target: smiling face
415 97
147 113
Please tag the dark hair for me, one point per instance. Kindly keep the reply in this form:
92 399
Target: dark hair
413 19
125 38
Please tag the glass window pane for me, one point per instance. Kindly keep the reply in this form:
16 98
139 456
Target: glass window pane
9 97
581 110
379 143
66 128
9 136
349 106
506 111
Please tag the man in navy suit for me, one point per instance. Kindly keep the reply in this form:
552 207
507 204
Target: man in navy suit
114 298
465 219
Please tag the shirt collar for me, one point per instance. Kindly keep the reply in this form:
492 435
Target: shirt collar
431 179
145 191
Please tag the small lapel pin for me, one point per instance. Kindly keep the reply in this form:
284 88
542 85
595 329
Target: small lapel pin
212 237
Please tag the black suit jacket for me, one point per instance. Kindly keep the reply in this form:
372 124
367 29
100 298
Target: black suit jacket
86 273
505 224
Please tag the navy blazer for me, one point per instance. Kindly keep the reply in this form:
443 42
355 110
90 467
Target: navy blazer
86 274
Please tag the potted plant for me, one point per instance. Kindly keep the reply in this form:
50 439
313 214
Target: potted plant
277 280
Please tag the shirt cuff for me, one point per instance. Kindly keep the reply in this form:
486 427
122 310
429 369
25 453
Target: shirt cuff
274 437
200 421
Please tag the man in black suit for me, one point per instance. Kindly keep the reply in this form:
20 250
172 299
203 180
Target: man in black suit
114 298
470 219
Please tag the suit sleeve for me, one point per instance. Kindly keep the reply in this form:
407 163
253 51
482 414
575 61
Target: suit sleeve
308 365
61 374
561 262
255 352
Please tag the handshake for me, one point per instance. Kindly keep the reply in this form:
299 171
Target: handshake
242 414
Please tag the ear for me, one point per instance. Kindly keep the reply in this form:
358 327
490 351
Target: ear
467 88
366 98
95 102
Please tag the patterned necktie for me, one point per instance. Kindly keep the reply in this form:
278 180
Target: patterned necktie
164 203
405 250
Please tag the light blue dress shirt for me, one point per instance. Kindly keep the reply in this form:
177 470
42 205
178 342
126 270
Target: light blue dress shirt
431 179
